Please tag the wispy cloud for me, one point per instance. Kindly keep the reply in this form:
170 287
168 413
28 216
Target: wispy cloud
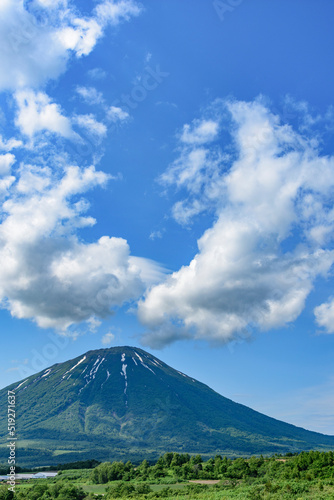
91 125
108 339
311 407
90 95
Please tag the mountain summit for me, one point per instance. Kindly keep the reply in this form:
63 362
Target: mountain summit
123 403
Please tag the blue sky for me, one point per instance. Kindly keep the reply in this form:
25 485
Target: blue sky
166 180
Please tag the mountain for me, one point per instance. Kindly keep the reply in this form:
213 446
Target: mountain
123 403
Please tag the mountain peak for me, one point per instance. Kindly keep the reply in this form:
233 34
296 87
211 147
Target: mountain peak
123 402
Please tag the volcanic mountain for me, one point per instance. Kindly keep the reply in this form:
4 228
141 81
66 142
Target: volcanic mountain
123 403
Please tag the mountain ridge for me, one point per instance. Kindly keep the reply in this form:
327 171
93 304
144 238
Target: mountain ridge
122 402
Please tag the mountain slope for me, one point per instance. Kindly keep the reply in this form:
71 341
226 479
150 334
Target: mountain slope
122 403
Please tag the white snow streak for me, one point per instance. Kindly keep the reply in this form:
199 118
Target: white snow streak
68 371
89 377
133 359
141 359
83 371
21 384
155 363
108 375
123 373
124 370
148 368
93 371
46 373
142 362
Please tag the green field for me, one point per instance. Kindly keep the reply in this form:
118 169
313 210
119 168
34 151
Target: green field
308 475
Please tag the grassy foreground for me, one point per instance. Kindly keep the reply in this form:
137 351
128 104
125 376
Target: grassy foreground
305 476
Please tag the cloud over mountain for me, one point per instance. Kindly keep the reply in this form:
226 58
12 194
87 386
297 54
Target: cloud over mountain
48 274
271 238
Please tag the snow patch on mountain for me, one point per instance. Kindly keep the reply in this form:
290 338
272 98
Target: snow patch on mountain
95 368
24 381
142 362
155 363
92 374
68 371
148 368
83 371
123 373
141 359
108 375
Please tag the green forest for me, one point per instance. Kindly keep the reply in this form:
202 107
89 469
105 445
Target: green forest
308 475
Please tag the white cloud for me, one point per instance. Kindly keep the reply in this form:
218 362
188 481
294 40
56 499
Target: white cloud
116 114
37 39
48 274
90 95
6 162
88 122
201 131
6 179
108 339
111 12
81 37
29 55
93 324
51 4
9 144
277 188
5 184
199 171
37 113
324 315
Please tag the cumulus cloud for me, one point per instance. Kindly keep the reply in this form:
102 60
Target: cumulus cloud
37 113
116 114
81 37
48 274
38 38
258 262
